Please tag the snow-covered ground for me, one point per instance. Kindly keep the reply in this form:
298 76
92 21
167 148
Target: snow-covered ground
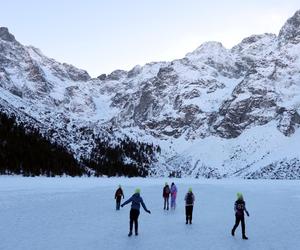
79 213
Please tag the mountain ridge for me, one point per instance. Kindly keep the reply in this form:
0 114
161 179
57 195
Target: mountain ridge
213 94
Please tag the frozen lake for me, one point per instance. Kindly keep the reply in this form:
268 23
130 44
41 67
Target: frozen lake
79 213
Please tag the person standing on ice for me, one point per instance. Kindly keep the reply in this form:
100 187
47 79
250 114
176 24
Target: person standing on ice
135 200
189 205
166 196
118 196
173 195
239 208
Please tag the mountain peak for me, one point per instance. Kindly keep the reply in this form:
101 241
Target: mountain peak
5 35
290 32
211 45
206 48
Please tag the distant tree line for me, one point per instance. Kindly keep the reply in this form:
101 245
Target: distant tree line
26 152
121 157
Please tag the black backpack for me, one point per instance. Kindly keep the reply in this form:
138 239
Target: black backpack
167 190
240 205
189 198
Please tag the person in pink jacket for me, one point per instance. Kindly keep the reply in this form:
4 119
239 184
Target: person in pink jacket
173 195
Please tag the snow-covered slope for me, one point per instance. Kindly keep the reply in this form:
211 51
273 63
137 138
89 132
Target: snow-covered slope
216 112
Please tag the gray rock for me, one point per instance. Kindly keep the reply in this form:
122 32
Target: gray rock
5 35
76 74
134 72
102 77
290 32
116 75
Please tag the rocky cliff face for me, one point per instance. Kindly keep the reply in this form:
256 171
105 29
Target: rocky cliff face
213 97
290 32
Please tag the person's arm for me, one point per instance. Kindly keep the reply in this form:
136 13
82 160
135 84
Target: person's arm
126 202
122 193
116 194
246 210
144 206
235 209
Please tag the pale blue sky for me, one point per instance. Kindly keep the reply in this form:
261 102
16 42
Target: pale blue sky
101 36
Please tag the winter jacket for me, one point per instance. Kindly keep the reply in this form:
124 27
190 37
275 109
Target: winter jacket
166 191
173 191
240 207
119 193
136 200
189 202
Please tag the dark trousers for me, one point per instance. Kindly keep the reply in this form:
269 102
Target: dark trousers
189 213
118 203
166 202
238 219
134 215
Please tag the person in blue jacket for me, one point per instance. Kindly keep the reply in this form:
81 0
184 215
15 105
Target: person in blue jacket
136 201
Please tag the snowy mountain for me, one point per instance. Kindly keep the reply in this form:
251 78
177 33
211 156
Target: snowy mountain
216 112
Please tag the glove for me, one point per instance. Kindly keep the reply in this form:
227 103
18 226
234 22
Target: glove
149 212
247 213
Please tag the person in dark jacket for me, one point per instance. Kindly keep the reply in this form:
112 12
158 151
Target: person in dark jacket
189 205
240 208
166 196
118 196
136 200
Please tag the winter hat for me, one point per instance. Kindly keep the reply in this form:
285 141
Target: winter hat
138 190
239 196
190 190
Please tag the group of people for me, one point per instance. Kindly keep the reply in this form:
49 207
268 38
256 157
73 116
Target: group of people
136 201
189 200
167 192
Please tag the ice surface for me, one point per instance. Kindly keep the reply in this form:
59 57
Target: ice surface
79 213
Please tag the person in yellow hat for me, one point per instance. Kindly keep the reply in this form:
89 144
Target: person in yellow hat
189 205
136 200
240 208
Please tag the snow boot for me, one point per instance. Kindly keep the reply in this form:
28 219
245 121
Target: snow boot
130 233
190 222
245 237
232 232
186 222
136 233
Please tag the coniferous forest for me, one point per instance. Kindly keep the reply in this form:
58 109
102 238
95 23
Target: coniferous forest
26 152
126 157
